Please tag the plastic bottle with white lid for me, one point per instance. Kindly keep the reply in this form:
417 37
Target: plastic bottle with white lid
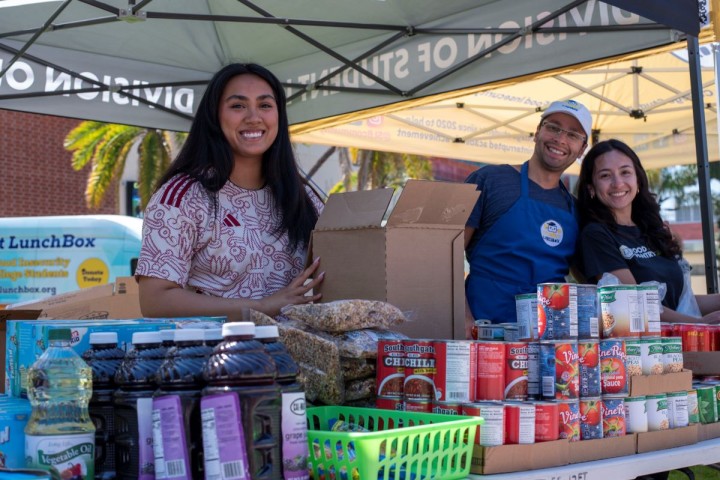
241 393
293 417
59 435
133 407
213 336
177 426
104 358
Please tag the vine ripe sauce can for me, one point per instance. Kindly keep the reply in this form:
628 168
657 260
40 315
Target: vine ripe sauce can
559 370
591 420
613 368
557 311
569 419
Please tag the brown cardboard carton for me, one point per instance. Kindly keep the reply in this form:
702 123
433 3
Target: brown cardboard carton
589 450
702 363
516 458
677 437
656 384
415 261
709 431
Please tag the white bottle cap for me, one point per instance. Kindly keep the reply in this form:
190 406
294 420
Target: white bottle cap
233 329
146 337
213 334
189 334
267 331
102 338
167 335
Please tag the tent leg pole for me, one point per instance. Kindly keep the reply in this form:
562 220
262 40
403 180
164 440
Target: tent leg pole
701 150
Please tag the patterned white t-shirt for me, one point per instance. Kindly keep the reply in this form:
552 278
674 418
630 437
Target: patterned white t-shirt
232 253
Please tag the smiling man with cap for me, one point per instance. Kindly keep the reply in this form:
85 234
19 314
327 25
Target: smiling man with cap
523 229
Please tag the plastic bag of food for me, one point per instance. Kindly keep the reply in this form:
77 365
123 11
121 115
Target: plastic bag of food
346 315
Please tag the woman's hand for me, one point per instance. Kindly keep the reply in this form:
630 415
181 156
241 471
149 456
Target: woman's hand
296 292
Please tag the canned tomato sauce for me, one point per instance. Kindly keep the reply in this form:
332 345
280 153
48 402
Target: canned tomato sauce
419 382
588 324
569 416
390 370
589 362
516 371
559 370
613 374
591 419
547 421
613 416
455 370
490 383
557 311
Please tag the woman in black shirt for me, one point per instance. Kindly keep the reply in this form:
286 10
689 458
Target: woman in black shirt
623 233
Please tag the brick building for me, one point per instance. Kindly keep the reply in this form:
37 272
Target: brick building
37 177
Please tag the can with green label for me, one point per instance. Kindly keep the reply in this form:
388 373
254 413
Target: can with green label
693 413
707 404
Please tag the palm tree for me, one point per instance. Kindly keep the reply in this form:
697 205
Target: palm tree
380 169
106 146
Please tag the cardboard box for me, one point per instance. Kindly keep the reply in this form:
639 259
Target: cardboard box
656 384
709 431
415 261
677 437
120 299
589 450
702 363
516 458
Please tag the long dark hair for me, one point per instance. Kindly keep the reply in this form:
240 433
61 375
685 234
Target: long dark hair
206 155
645 208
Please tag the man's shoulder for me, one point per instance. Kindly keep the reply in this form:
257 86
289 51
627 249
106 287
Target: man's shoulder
493 172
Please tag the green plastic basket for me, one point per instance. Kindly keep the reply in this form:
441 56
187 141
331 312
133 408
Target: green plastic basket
397 446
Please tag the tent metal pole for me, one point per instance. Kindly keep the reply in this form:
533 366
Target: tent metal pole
701 151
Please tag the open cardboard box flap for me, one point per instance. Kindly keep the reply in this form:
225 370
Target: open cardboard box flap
435 204
355 209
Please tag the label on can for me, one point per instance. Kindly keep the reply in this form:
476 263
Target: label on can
650 305
390 369
72 456
707 404
591 419
455 370
636 419
559 370
512 332
516 371
490 332
693 412
569 416
423 406
547 421
613 415
492 431
390 403
633 357
652 356
557 311
678 409
490 383
589 361
620 311
534 391
672 354
657 408
689 334
519 423
526 313
613 373
588 312
447 408
419 381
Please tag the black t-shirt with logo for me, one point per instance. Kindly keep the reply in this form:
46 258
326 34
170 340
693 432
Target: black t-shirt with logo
602 250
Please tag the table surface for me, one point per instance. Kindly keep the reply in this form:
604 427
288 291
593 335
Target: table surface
622 468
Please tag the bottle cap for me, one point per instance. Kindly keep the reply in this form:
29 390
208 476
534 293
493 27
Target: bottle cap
266 331
146 337
167 335
59 334
103 338
213 334
189 334
238 329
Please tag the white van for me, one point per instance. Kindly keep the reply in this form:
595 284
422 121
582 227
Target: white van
44 256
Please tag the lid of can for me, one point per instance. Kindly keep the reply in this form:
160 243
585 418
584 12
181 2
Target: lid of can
146 337
189 334
98 338
238 329
267 331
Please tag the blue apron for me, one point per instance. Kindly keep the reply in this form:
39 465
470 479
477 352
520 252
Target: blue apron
531 243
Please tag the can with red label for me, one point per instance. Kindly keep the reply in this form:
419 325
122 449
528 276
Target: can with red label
589 361
419 382
490 383
557 311
569 417
559 370
447 408
414 405
519 422
455 370
613 416
390 403
547 421
516 371
667 330
591 424
534 390
703 336
390 370
613 368
492 431
689 334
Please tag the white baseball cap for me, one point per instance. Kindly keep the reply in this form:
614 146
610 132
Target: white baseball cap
575 109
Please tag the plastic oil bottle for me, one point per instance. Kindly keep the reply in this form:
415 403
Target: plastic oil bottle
60 436
104 358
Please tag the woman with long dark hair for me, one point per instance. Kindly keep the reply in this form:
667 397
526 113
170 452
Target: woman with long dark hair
622 232
232 217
